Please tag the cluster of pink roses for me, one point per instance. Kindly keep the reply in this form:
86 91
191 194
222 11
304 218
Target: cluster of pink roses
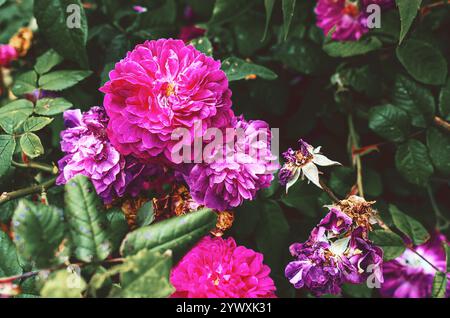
159 88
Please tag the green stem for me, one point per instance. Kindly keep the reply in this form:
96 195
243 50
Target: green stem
442 223
355 144
37 165
7 196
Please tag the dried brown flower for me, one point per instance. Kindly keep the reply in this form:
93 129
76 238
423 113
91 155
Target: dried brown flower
21 41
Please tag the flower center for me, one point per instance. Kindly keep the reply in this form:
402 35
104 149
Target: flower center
169 89
301 159
351 9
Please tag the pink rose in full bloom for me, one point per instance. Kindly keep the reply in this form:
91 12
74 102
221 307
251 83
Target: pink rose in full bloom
225 184
218 268
7 54
161 86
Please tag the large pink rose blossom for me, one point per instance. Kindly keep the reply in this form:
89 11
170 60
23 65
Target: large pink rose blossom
218 268
161 86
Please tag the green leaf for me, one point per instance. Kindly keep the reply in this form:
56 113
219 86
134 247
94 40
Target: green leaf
52 106
237 69
13 115
164 15
117 227
31 145
63 284
372 183
226 10
203 44
352 48
7 146
409 226
176 234
247 31
389 122
408 12
9 262
20 105
25 83
36 123
303 56
439 149
444 101
145 215
413 162
423 61
47 61
59 80
392 244
303 198
439 285
288 12
87 220
54 21
268 4
357 291
272 233
415 99
146 275
39 230
342 180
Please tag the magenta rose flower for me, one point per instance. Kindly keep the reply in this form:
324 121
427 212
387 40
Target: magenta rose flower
410 276
344 16
88 152
347 18
248 167
7 54
161 86
218 268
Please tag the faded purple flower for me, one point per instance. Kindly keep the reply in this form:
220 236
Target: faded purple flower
89 152
315 269
410 276
334 224
225 183
335 253
384 4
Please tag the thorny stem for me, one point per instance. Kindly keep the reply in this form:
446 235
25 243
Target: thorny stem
37 165
442 223
357 158
328 191
426 9
7 196
10 279
441 123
